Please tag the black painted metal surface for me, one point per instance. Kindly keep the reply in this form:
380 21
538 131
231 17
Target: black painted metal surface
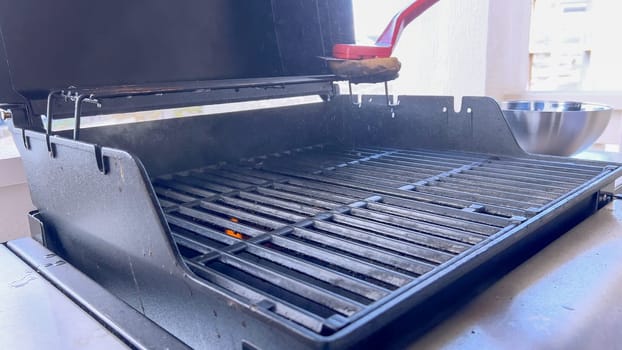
116 45
126 323
337 241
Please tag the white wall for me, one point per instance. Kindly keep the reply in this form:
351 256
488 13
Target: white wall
444 51
480 47
458 48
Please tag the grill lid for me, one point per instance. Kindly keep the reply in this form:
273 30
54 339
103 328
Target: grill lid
60 44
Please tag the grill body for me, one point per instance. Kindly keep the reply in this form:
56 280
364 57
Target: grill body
313 226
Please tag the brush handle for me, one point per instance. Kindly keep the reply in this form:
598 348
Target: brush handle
389 37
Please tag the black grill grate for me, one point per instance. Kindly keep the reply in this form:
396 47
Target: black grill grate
321 236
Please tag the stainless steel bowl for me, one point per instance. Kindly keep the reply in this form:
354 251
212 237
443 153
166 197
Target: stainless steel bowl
556 128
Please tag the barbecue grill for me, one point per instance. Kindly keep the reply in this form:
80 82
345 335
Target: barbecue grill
315 225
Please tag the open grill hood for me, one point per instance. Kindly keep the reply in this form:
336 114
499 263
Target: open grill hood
122 46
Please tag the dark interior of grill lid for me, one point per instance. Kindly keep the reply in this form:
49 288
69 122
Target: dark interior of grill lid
317 225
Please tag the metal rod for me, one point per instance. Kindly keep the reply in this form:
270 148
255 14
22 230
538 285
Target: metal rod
224 223
321 273
185 188
382 241
406 234
293 206
302 196
320 296
434 218
200 230
369 253
243 216
253 295
425 228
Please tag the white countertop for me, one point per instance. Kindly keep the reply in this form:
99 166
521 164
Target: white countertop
568 296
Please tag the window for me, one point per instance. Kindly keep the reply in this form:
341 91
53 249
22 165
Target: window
574 46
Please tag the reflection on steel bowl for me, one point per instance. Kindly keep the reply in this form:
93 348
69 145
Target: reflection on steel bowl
556 128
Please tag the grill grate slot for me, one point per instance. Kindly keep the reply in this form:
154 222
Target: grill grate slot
328 299
187 227
402 233
430 229
300 195
395 243
200 183
357 268
278 203
451 222
320 233
185 189
255 290
229 184
325 276
364 253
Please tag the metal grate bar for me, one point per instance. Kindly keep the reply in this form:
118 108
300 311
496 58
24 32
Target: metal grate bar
550 195
305 196
321 158
569 172
200 229
258 208
194 244
367 270
346 195
363 179
431 229
196 182
521 178
552 165
243 215
366 169
415 165
340 280
289 205
478 198
450 212
426 228
535 198
466 176
280 307
434 155
233 176
185 188
224 223
369 253
166 204
469 157
418 238
320 296
532 173
434 219
174 195
253 172
428 197
384 241
218 180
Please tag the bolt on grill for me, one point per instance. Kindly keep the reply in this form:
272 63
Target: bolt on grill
321 235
